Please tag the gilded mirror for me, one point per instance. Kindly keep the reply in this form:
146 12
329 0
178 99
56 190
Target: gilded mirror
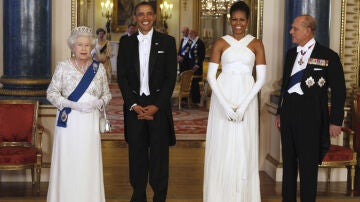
213 21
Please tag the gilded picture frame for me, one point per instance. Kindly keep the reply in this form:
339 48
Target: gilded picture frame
123 13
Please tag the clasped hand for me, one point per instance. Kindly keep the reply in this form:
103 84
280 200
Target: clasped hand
86 107
234 114
146 113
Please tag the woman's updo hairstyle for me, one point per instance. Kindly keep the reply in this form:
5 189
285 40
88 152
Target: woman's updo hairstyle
100 30
240 6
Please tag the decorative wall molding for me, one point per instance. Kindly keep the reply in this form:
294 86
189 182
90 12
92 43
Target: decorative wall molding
349 45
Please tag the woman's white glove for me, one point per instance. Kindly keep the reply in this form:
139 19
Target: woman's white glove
85 107
260 81
211 77
98 104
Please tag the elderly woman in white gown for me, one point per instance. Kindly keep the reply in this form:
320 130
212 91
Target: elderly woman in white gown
79 90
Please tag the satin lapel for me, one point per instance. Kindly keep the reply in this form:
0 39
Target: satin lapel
314 53
136 55
153 51
291 58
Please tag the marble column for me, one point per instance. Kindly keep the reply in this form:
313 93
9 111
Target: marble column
319 9
27 48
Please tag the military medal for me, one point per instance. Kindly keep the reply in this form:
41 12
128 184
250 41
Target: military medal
63 116
302 53
300 62
95 67
321 82
309 82
320 62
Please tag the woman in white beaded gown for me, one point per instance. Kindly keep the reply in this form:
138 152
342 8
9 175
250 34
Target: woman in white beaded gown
231 157
79 89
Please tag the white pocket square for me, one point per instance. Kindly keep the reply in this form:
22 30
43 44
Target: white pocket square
317 69
161 51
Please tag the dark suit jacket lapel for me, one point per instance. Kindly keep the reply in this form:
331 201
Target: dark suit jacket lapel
136 55
290 60
181 42
316 51
153 51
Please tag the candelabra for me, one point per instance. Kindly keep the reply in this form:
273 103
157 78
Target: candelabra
165 12
107 12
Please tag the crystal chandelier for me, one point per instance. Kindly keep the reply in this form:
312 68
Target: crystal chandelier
215 7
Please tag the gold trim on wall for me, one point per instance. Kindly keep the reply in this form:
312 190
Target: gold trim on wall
342 28
349 45
73 14
12 92
25 81
260 14
196 14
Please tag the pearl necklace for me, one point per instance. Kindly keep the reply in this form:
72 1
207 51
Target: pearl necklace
82 69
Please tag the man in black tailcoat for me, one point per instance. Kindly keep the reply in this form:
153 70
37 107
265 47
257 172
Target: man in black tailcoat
184 49
146 69
196 58
304 118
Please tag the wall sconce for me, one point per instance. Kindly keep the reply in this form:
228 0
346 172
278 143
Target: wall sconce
165 12
107 11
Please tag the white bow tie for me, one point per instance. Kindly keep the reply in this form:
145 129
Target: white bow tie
143 37
304 49
301 48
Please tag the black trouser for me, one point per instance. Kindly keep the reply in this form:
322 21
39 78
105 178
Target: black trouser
300 137
195 90
148 154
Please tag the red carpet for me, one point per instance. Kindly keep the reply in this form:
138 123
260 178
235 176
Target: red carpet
190 123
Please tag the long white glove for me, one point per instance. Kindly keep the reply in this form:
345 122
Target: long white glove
211 77
85 107
99 104
260 81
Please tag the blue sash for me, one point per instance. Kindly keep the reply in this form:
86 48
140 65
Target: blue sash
103 48
78 92
296 78
186 48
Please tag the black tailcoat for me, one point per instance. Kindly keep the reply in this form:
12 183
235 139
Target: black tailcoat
305 119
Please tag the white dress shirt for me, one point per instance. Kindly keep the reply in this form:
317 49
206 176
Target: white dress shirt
307 50
144 54
193 44
186 39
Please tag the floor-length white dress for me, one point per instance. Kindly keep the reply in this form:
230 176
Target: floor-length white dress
231 156
76 173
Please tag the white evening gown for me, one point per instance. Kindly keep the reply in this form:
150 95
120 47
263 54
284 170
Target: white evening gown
76 173
231 156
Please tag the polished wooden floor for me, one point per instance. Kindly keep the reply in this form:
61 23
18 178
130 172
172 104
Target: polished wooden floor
185 182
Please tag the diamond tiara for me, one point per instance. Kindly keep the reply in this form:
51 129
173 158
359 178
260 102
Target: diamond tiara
81 29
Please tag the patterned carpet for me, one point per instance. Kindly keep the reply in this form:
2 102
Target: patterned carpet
190 123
